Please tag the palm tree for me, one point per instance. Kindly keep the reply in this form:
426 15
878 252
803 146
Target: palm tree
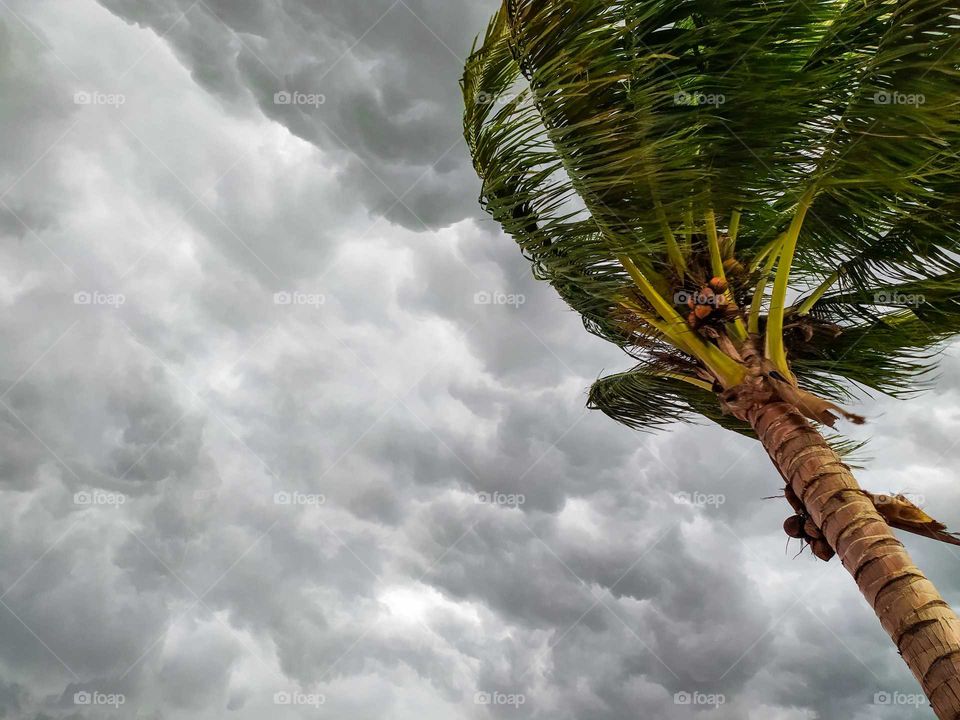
760 203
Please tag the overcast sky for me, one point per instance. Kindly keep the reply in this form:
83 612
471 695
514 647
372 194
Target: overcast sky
289 431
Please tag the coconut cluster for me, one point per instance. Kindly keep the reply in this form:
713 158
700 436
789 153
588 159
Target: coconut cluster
709 303
803 528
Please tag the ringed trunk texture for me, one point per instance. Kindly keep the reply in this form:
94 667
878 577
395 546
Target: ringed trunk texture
924 628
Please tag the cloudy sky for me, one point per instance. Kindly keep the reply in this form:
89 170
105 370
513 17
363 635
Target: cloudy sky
268 450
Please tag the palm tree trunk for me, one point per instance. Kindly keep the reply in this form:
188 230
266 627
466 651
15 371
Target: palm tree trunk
924 628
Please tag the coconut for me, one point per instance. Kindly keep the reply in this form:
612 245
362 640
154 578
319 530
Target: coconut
732 267
811 530
718 284
821 548
793 526
702 311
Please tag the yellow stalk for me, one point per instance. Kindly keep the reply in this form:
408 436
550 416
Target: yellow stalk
753 322
734 229
773 245
658 325
702 384
713 241
673 250
807 305
775 350
716 264
675 329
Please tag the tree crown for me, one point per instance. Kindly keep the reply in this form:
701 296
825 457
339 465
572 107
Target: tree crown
693 175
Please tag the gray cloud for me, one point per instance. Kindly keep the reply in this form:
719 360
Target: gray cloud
387 73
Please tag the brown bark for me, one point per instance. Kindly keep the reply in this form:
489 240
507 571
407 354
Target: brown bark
924 628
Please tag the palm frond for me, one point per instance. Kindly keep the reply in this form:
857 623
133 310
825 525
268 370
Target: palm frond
624 143
645 399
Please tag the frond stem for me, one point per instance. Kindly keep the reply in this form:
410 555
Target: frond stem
673 249
702 384
716 264
675 329
734 230
753 322
774 349
807 305
765 252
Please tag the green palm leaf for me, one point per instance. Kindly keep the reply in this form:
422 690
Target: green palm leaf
635 149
